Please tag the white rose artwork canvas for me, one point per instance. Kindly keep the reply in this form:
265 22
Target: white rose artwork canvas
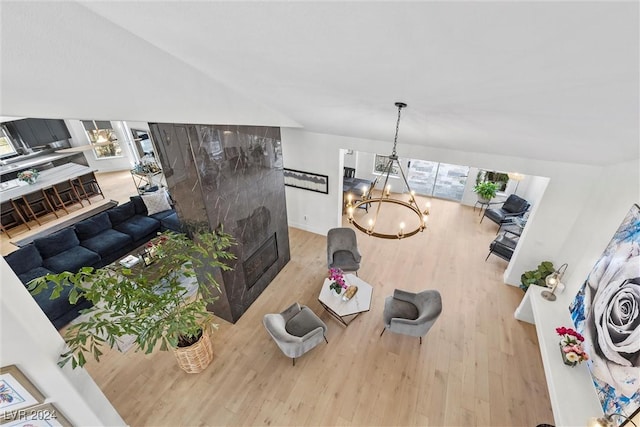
606 311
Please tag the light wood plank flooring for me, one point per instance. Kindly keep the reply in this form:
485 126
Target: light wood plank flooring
477 366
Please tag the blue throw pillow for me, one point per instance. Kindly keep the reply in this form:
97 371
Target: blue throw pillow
56 243
93 226
138 204
24 259
121 213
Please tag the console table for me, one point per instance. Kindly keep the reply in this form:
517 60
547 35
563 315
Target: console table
146 180
573 396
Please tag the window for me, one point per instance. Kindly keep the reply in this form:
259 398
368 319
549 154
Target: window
442 180
103 138
6 146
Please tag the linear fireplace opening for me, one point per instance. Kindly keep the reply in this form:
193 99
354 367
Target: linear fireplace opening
260 261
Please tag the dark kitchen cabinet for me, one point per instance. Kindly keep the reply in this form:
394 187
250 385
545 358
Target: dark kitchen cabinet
39 132
21 129
58 130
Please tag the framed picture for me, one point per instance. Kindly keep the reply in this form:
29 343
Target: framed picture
306 180
16 391
147 257
606 311
381 163
45 415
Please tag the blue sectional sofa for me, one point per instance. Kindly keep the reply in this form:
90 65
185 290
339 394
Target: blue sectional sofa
94 242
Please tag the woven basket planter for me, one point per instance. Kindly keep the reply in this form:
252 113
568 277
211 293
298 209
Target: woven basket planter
197 357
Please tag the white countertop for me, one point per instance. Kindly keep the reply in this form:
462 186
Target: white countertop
15 188
31 161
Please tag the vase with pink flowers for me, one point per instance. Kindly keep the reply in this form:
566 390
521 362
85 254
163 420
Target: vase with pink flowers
571 346
337 285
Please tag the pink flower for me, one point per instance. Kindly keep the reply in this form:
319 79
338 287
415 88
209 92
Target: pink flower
336 275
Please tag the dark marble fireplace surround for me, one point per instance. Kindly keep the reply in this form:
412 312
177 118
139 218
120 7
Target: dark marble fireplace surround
231 176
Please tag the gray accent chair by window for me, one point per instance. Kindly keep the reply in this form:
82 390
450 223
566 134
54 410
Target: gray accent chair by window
410 313
342 249
514 206
296 330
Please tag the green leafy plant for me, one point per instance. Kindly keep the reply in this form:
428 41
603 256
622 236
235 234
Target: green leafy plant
146 302
486 190
537 276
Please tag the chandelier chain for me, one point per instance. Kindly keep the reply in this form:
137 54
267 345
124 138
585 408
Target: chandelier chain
395 139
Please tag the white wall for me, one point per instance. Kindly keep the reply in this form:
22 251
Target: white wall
29 341
94 69
350 159
566 196
615 191
320 154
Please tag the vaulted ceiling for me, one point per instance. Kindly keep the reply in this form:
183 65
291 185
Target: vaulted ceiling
545 80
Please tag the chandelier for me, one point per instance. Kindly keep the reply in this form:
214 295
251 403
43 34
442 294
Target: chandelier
401 205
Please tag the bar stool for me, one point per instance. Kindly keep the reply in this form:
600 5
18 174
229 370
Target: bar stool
34 205
10 217
63 194
87 186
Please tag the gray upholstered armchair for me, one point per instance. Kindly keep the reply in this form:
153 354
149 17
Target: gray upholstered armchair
411 314
342 249
296 330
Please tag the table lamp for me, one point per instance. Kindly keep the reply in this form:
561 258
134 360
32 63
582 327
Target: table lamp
552 281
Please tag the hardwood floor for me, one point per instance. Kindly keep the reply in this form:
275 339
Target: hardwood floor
477 366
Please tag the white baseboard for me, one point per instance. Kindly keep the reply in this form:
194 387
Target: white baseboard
308 228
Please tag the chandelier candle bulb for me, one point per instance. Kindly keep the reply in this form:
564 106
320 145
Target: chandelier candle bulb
388 190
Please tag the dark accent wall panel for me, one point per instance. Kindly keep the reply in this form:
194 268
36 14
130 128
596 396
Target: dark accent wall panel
231 176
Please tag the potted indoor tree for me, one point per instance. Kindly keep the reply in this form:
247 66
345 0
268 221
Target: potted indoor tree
486 191
160 305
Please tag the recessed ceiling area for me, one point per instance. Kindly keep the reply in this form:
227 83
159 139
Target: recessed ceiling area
542 80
